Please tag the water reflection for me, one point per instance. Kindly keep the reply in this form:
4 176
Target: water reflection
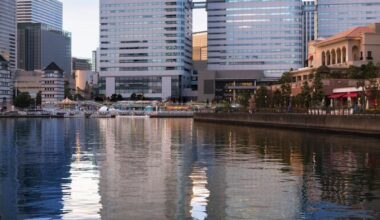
200 194
177 169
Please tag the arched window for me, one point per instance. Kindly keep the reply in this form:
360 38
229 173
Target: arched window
338 56
328 58
333 57
323 58
355 53
344 54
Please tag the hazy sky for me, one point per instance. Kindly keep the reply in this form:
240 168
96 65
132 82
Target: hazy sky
81 18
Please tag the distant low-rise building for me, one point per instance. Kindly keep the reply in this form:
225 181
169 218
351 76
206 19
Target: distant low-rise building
52 81
5 82
85 80
28 81
81 64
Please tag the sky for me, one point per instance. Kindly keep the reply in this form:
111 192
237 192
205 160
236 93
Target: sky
81 18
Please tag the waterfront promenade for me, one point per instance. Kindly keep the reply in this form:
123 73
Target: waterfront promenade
350 124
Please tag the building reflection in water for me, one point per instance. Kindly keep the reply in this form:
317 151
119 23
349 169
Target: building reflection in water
130 168
81 198
200 194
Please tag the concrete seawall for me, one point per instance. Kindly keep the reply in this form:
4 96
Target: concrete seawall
353 124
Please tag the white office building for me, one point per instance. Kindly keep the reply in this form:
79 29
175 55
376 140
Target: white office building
47 12
255 35
5 82
8 31
335 16
145 47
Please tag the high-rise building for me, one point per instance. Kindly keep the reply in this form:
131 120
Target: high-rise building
40 11
95 60
5 82
8 31
308 29
334 16
255 35
39 45
200 46
145 47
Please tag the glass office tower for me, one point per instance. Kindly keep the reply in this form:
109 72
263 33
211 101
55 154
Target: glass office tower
8 31
39 45
335 16
145 47
309 23
40 11
255 35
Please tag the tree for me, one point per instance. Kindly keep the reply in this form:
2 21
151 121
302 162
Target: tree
305 95
67 91
261 98
140 97
23 100
317 94
286 88
100 98
133 96
323 71
362 74
39 98
78 97
353 72
243 97
119 97
113 97
277 98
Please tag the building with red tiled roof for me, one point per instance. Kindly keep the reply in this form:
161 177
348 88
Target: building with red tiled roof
356 46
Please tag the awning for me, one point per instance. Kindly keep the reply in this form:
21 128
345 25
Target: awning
336 95
351 95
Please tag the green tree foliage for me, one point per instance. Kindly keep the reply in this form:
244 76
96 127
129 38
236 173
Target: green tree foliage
78 97
277 98
140 97
304 98
353 72
100 98
323 71
116 97
262 97
39 98
369 71
243 97
133 97
23 100
286 88
67 91
364 72
317 94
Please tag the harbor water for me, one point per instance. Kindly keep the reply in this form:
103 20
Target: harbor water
142 168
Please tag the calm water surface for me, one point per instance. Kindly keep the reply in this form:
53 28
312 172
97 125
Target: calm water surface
177 169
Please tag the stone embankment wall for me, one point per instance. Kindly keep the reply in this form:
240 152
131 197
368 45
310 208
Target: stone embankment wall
358 124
